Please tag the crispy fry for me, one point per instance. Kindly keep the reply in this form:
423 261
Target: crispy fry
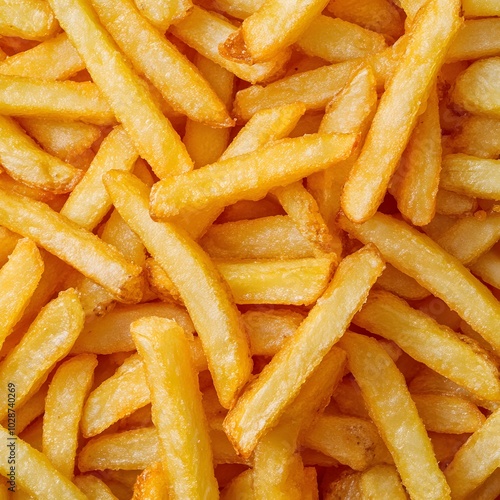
151 483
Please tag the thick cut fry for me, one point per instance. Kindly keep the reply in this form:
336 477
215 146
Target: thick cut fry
28 19
89 202
336 40
33 472
49 338
249 176
475 89
151 53
476 460
276 25
293 282
395 415
150 483
93 487
477 39
19 278
424 260
162 13
63 411
397 113
205 31
20 96
416 180
23 160
111 333
400 284
471 176
314 88
262 404
152 134
176 408
72 244
205 296
430 343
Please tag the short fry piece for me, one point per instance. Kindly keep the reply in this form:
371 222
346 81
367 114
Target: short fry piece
150 483
176 408
394 413
477 39
261 405
63 410
162 13
93 487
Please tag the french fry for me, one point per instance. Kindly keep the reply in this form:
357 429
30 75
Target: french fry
20 96
152 134
240 487
19 278
451 203
176 408
89 201
390 317
274 26
205 31
29 19
68 389
93 487
476 460
50 336
314 88
401 284
212 311
336 40
478 136
481 8
394 121
393 411
293 282
8 241
490 489
405 248
261 405
472 176
33 472
164 12
249 176
51 231
151 53
150 483
486 266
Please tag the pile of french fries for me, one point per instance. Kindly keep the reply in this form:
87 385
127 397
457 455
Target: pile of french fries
250 249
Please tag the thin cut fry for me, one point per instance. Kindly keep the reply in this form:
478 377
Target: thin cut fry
261 405
396 115
176 408
152 134
393 411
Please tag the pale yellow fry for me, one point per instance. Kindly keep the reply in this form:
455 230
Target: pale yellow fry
476 39
480 8
72 244
472 176
204 31
476 460
93 487
48 340
490 489
276 25
33 472
475 89
249 176
424 260
382 481
64 139
395 415
151 483
8 241
151 132
176 408
89 202
263 127
206 298
336 40
29 19
162 13
271 237
265 400
478 136
415 182
470 237
451 203
433 344
54 59
396 115
63 411
487 266
314 88
26 162
161 62
240 487
401 284
22 96
19 278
